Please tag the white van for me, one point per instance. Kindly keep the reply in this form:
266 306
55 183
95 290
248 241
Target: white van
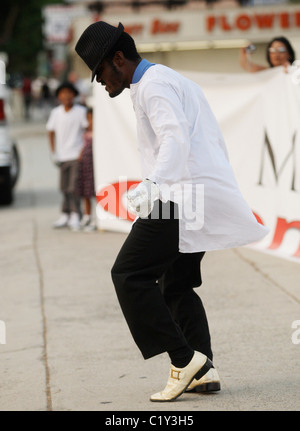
9 157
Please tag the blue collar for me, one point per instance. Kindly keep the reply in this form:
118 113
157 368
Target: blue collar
140 70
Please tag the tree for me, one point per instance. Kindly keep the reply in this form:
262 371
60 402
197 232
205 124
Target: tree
21 33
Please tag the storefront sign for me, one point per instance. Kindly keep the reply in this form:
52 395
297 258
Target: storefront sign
58 22
246 21
157 26
256 23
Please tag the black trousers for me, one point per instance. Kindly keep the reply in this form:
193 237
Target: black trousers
155 285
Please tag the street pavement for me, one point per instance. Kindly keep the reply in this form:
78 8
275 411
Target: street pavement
68 347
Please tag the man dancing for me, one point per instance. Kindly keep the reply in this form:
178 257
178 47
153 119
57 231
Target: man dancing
184 163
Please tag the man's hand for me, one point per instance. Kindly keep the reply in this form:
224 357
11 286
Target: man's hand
141 199
54 159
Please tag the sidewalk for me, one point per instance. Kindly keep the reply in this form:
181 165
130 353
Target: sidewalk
68 346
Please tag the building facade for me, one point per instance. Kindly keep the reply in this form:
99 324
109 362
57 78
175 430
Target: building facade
198 38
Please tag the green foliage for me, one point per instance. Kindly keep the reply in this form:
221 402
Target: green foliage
21 33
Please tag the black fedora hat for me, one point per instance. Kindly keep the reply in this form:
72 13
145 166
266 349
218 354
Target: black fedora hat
95 43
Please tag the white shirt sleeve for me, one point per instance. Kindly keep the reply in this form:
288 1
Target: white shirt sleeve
163 107
50 126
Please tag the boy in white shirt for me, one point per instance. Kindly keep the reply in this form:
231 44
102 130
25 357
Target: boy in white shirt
65 126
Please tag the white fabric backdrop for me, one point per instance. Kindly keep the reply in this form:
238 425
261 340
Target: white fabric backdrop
259 115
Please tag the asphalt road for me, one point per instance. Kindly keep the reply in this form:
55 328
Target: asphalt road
67 344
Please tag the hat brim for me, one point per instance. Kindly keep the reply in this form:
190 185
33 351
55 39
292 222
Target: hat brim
109 46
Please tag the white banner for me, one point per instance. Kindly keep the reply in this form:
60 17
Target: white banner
259 117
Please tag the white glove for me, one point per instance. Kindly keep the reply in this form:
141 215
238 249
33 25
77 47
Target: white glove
141 199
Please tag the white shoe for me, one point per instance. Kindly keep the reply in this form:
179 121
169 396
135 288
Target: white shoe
210 382
90 228
74 221
62 221
85 221
180 378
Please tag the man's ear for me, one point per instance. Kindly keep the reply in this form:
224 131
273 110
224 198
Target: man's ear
119 58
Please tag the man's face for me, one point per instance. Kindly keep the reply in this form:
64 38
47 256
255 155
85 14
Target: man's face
110 75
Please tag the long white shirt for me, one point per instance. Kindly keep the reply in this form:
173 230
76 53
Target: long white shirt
182 149
68 127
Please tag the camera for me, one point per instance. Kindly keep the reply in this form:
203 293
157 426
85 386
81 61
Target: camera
251 48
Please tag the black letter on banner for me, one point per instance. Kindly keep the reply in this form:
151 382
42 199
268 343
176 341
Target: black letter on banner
277 172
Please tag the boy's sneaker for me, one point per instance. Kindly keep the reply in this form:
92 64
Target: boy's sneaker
74 222
91 227
85 221
62 221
